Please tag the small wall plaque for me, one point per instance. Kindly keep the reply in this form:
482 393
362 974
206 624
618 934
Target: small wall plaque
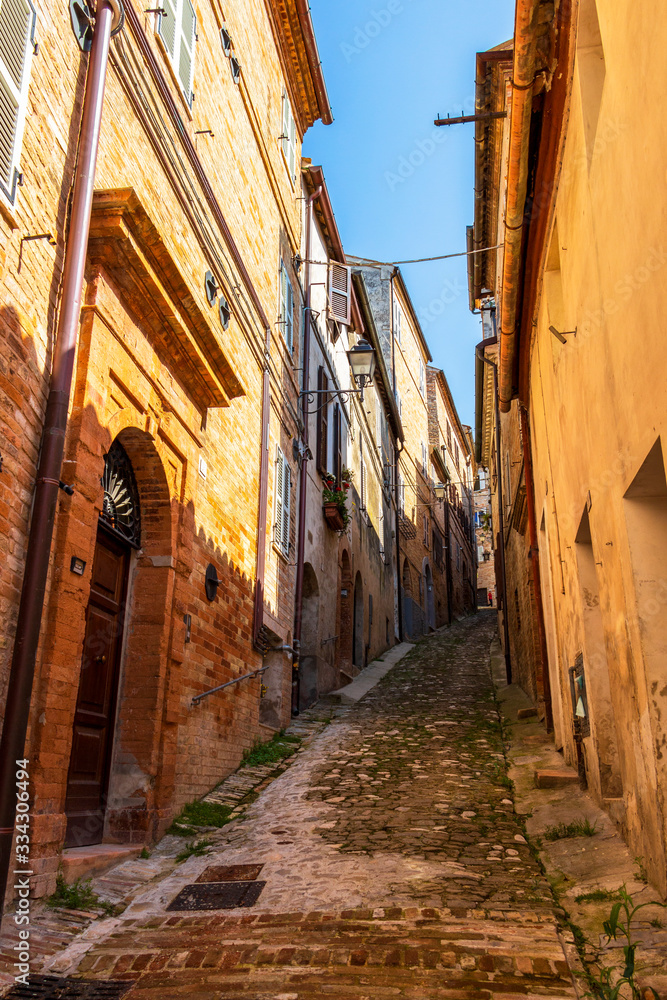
77 565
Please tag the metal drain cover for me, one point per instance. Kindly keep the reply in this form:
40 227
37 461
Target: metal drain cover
64 988
217 896
230 873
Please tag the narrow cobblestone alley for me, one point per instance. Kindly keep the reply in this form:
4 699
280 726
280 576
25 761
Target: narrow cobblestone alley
393 864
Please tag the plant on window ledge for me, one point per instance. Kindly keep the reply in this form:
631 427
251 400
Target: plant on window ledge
334 500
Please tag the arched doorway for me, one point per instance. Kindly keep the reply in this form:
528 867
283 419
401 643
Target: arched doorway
358 627
407 600
119 531
310 636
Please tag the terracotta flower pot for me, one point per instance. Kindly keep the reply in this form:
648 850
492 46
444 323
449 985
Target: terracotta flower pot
333 516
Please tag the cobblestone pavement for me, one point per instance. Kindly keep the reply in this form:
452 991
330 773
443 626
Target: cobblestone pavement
393 863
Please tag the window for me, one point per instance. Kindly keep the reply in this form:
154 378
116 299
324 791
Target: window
177 28
378 422
397 321
398 402
422 377
340 292
288 136
458 456
426 530
17 32
424 458
449 436
322 434
400 499
283 491
286 319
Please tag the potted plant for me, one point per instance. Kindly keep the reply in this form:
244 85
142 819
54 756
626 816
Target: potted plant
334 504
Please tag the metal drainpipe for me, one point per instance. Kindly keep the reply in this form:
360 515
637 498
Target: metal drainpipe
303 481
479 351
17 708
399 577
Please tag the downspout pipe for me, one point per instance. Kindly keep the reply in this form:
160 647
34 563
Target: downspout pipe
534 557
523 86
28 627
303 481
397 520
479 351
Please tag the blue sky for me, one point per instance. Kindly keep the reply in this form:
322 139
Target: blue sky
400 187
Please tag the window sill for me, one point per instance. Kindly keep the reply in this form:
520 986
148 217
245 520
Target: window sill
8 212
279 552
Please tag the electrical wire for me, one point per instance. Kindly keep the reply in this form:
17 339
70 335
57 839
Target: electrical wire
417 260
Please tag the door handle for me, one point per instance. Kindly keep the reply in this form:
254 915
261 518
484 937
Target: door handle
100 659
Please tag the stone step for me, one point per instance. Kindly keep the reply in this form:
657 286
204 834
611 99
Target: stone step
552 778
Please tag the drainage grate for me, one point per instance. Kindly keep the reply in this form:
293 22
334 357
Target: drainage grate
230 873
217 896
64 988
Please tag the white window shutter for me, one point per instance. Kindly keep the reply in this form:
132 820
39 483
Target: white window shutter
288 132
340 292
287 507
17 28
397 321
186 56
166 27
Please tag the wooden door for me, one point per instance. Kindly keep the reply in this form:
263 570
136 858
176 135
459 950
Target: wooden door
98 687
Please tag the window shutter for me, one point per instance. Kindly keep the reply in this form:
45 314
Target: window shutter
421 376
397 321
287 506
322 439
340 292
279 490
289 319
186 56
286 307
338 443
166 27
288 132
17 24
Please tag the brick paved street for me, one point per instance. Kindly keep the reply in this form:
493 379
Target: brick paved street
393 862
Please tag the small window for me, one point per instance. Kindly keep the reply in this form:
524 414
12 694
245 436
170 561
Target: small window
449 436
283 504
398 402
397 321
288 136
424 458
286 317
401 494
426 530
381 525
422 377
17 32
177 28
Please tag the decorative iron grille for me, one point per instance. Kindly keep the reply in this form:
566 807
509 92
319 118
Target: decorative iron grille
120 510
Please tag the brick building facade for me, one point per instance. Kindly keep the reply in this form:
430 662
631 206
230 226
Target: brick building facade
186 354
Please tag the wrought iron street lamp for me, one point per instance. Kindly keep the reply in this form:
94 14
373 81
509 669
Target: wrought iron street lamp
362 363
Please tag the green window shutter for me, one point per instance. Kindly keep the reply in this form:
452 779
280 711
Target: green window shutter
17 25
186 57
